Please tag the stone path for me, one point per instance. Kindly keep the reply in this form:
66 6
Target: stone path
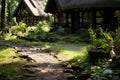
46 64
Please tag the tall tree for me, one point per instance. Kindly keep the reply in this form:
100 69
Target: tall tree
11 6
8 12
3 5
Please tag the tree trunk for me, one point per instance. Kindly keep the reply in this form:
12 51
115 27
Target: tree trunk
9 13
75 21
3 4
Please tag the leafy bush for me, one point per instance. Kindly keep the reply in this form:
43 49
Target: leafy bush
43 26
104 72
19 29
101 71
101 39
41 32
60 30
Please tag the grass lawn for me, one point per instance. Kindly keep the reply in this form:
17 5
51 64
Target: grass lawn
10 67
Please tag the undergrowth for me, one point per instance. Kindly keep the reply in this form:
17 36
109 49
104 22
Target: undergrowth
10 68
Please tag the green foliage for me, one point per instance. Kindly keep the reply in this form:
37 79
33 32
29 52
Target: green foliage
9 67
92 35
43 26
100 39
19 29
60 31
4 52
75 38
103 72
41 32
8 75
10 8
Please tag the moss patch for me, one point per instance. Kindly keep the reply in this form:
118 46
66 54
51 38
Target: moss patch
10 68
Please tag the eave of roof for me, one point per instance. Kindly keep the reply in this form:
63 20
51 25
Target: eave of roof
36 7
93 4
62 5
31 7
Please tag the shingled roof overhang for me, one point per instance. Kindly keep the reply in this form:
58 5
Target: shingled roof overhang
93 4
62 5
56 5
36 7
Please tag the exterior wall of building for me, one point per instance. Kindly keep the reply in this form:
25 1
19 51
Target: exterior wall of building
79 19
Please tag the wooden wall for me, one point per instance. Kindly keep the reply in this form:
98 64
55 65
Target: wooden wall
79 19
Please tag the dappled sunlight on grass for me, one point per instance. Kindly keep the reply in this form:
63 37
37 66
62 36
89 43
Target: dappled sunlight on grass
72 51
78 55
9 37
6 52
10 67
6 55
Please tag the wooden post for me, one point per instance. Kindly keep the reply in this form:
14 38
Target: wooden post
109 20
75 21
94 18
67 22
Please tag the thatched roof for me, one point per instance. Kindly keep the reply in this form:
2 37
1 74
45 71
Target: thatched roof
36 7
57 5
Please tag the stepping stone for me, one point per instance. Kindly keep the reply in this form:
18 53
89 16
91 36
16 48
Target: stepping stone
29 70
30 75
69 76
68 71
30 65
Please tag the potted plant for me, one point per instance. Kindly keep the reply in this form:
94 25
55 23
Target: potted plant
102 43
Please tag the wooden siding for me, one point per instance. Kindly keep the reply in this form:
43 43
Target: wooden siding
78 19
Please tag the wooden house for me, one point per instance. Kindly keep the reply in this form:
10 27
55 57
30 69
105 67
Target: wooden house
31 11
81 14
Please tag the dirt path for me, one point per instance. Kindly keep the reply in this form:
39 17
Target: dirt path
46 65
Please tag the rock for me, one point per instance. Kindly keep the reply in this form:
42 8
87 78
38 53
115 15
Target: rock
69 76
30 75
65 64
29 59
30 65
89 79
68 71
76 68
29 70
47 50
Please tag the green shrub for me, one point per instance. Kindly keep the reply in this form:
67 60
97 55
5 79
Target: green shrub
101 39
40 32
19 29
43 26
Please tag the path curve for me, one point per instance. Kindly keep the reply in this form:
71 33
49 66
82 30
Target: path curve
46 67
